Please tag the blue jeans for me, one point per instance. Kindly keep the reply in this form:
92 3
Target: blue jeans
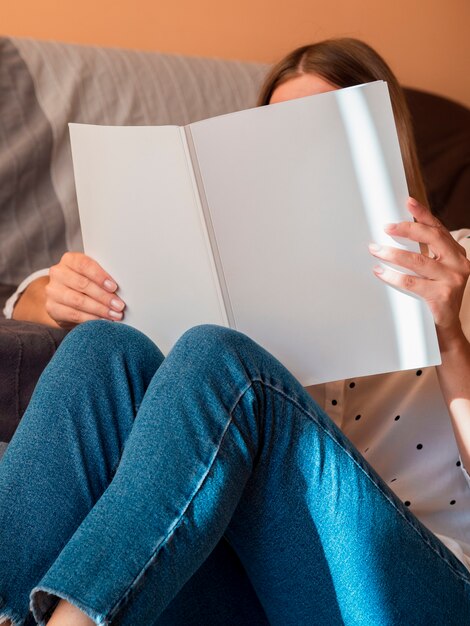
204 488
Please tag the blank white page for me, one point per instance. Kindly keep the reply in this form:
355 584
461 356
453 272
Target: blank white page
296 191
141 221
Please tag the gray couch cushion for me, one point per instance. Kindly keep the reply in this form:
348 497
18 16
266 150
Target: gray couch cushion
45 85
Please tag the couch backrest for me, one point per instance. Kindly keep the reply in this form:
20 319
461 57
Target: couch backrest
45 85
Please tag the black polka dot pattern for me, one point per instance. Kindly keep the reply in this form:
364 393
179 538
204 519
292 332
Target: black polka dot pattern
401 422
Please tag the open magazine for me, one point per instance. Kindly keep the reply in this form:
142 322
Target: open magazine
260 220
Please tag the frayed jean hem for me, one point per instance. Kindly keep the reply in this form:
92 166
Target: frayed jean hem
43 600
5 615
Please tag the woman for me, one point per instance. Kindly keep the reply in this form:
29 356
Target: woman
155 465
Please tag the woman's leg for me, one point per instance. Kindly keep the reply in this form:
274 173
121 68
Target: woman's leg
66 614
226 440
58 466
218 594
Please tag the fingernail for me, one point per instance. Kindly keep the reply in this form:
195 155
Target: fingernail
115 314
378 269
117 304
110 285
374 247
412 201
390 226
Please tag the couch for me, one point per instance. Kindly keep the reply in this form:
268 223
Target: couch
45 85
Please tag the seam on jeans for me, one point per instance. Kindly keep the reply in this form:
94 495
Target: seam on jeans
459 574
178 521
122 601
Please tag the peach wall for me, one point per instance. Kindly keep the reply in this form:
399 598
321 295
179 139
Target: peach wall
426 42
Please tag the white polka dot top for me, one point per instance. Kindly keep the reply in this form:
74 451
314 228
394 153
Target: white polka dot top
400 423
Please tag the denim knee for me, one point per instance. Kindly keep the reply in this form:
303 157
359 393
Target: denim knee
231 357
210 340
105 338
209 347
104 333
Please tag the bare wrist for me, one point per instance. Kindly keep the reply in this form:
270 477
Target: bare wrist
31 304
451 339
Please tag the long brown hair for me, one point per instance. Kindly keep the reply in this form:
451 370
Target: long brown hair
346 62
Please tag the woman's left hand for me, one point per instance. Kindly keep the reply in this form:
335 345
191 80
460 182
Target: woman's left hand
440 278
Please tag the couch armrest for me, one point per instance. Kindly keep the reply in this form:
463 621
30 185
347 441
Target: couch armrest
25 350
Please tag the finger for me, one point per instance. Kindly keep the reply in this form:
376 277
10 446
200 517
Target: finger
417 285
61 275
63 296
439 240
422 214
414 261
86 266
67 317
443 302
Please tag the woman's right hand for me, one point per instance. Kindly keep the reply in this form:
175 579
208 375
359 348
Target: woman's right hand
80 290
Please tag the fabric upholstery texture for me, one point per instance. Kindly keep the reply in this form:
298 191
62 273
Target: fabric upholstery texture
31 218
442 131
25 351
46 85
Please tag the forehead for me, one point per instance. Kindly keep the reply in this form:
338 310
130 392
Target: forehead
299 87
